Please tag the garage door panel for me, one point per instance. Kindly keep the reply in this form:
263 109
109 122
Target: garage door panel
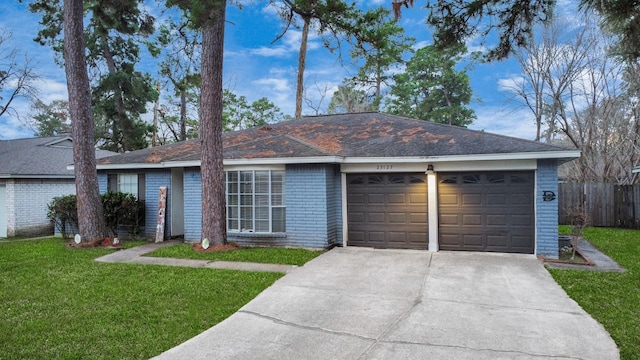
398 199
375 218
448 219
397 218
521 220
496 199
397 237
495 213
376 237
474 240
496 220
471 199
418 199
418 218
471 220
355 199
394 212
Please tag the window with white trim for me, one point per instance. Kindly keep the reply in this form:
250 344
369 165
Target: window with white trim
255 201
131 183
128 183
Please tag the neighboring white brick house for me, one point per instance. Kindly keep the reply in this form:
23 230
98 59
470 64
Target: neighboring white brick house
32 173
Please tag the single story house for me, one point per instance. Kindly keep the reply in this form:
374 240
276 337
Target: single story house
32 172
365 179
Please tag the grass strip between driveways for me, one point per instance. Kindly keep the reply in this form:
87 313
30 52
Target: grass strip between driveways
257 255
613 299
58 303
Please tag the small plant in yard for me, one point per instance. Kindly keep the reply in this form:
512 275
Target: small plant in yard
120 209
578 220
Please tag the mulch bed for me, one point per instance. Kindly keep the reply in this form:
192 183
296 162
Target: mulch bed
215 248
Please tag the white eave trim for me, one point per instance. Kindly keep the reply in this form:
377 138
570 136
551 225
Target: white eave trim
473 157
227 162
563 154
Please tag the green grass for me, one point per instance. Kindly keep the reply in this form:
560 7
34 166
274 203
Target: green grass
258 255
613 299
57 303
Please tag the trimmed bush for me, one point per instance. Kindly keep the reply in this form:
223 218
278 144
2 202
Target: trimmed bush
120 209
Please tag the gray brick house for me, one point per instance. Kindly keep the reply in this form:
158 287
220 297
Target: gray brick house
32 172
366 179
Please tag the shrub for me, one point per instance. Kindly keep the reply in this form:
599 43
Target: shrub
120 209
63 213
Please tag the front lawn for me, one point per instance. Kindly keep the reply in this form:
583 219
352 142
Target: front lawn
258 255
613 299
57 302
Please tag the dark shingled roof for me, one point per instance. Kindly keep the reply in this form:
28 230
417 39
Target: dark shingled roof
46 157
344 135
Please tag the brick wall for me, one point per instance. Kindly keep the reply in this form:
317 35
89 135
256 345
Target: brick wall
311 207
314 215
547 211
27 204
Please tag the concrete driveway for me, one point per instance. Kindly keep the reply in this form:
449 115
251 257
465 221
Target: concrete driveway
355 303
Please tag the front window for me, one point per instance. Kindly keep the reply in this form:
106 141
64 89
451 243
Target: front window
128 183
255 201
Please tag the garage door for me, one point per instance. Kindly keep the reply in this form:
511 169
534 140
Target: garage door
3 211
486 211
387 210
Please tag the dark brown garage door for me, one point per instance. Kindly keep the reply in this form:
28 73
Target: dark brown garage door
486 211
387 210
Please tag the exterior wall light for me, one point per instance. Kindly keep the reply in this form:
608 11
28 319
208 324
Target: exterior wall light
429 169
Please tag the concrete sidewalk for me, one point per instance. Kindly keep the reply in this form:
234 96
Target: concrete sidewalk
355 303
136 254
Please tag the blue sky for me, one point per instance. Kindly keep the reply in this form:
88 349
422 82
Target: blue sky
256 68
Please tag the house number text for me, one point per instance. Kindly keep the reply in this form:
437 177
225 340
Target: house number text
384 167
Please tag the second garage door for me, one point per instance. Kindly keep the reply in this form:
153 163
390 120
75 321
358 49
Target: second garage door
387 210
486 211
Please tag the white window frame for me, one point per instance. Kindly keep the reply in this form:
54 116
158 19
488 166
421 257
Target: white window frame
250 226
128 183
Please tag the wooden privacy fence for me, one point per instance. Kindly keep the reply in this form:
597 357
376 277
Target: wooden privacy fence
607 204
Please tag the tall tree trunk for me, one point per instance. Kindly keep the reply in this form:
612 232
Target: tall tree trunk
214 223
156 106
90 213
183 114
302 61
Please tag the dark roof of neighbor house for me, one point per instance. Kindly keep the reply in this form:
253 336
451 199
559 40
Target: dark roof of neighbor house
45 157
360 135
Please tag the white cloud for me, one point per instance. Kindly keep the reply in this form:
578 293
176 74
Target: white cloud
287 45
510 83
499 120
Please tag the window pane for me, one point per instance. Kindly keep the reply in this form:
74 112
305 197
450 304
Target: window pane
246 200
471 179
262 200
233 225
278 219
495 178
262 213
396 179
233 199
277 200
451 179
375 179
128 183
277 176
262 225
